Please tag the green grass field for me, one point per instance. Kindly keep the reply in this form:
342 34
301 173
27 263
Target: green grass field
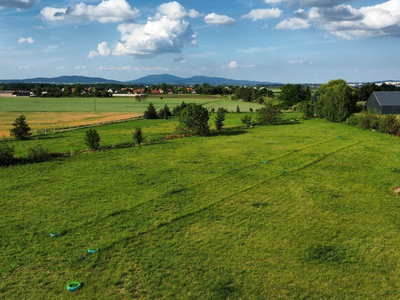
297 211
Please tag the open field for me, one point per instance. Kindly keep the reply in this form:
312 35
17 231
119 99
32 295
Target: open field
48 113
298 211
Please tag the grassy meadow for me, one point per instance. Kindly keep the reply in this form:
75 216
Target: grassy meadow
297 211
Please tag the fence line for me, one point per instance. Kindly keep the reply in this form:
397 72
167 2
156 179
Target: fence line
63 128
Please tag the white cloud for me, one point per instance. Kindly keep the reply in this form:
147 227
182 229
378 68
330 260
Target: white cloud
80 68
103 50
124 68
233 65
175 11
155 37
215 19
106 11
273 1
22 4
346 22
61 68
294 23
296 62
260 14
28 40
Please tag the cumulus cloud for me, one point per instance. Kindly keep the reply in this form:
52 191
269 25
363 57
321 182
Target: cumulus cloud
293 24
221 20
155 37
103 50
321 3
260 14
346 22
233 65
28 40
175 11
21 4
106 11
179 59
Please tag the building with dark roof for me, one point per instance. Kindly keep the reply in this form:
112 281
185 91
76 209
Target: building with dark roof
385 103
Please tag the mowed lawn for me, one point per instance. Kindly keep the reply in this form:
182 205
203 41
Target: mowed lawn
297 211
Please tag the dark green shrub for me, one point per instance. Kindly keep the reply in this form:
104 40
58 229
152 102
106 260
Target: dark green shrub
306 108
21 130
92 139
386 123
353 120
177 109
368 120
138 137
237 109
38 154
395 128
269 115
6 153
246 120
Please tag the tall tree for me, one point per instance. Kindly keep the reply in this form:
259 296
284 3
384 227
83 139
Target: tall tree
219 119
193 120
151 112
21 129
337 100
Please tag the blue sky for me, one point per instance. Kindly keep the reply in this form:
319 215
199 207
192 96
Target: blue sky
288 41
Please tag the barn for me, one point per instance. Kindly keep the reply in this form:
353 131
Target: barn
385 103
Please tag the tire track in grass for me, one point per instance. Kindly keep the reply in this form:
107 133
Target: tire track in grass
168 199
162 224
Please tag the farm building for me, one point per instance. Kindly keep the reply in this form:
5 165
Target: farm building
14 93
385 103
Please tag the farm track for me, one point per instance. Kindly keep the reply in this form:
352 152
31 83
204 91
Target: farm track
173 207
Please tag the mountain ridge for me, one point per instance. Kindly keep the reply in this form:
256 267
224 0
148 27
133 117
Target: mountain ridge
146 80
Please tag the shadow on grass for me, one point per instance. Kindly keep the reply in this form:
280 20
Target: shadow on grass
45 137
227 133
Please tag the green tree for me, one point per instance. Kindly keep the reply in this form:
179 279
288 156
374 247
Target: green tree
219 119
193 120
138 137
247 121
6 153
21 130
177 109
337 99
306 108
366 90
289 95
269 115
167 111
151 112
92 139
237 109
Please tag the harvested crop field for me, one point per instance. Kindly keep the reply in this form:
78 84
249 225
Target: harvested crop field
49 120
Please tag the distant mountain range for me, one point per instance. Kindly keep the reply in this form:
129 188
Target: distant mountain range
147 80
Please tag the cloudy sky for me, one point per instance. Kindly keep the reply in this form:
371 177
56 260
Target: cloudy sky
289 41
